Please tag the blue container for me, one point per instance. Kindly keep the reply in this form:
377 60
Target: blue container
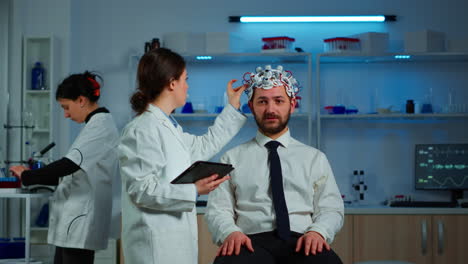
17 248
4 248
188 108
246 109
38 77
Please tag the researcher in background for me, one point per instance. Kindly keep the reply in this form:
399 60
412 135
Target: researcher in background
159 218
80 209
282 204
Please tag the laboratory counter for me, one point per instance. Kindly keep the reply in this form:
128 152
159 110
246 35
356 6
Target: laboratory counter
387 210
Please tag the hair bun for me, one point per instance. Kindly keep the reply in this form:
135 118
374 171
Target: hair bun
139 102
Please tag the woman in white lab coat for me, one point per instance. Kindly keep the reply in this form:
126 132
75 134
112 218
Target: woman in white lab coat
159 218
80 209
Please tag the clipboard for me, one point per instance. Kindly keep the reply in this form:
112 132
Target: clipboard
202 169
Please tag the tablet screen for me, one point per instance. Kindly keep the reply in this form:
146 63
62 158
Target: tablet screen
202 169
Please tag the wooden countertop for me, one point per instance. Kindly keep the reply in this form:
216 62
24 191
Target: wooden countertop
387 210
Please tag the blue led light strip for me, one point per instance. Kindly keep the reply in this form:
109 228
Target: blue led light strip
204 57
402 57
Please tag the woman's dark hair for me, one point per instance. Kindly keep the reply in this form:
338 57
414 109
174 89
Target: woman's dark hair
84 84
157 68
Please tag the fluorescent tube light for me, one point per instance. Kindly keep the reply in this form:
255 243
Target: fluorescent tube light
306 19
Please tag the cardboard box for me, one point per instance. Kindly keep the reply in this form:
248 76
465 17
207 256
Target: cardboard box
457 45
373 42
425 41
222 42
185 42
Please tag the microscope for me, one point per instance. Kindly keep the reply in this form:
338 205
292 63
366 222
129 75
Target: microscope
360 187
36 160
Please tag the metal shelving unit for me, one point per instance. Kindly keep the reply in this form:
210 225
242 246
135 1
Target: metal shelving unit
37 104
388 58
238 60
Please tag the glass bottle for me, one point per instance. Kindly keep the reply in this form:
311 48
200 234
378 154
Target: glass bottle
410 107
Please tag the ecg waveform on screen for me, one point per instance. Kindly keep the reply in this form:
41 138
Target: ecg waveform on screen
442 166
450 179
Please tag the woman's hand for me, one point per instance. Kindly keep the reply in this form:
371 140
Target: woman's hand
208 184
18 170
234 94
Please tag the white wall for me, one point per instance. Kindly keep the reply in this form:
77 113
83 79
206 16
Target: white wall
106 33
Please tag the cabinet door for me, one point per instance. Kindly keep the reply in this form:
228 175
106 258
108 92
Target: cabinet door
450 239
206 248
343 243
392 237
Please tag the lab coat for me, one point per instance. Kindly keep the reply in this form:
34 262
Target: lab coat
159 218
82 203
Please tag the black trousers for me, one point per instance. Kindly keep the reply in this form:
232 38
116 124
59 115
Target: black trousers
269 249
73 256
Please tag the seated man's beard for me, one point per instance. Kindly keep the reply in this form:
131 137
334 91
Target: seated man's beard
271 129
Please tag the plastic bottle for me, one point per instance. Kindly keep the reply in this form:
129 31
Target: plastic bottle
38 77
3 171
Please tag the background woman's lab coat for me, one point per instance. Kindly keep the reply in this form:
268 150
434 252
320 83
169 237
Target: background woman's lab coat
82 203
159 218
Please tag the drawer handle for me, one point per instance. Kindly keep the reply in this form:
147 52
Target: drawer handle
424 237
440 229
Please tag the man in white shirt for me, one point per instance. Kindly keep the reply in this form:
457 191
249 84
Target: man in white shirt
282 204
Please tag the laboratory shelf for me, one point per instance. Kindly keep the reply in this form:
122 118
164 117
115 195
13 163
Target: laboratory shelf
41 130
212 116
286 57
403 57
38 92
209 117
395 116
33 228
207 58
38 106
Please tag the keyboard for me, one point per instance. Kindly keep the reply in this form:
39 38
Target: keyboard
422 204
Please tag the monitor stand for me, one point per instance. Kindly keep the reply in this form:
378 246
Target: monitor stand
457 194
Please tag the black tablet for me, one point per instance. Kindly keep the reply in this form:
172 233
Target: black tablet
202 169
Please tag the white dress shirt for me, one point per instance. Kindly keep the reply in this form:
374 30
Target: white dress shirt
244 203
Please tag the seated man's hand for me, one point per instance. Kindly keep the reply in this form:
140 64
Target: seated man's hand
233 243
312 242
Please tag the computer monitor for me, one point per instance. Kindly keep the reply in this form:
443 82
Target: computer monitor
442 167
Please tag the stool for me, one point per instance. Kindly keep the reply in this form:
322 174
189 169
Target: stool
383 262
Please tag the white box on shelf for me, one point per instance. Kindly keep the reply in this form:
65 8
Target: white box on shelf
425 41
373 42
277 44
222 42
185 42
457 45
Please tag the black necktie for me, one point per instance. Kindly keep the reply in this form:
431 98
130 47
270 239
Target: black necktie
276 180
